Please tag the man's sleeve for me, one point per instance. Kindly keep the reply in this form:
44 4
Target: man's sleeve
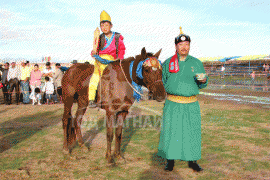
121 48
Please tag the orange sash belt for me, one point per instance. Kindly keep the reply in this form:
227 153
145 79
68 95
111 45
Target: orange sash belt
182 99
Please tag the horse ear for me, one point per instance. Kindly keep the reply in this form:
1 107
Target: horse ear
143 53
158 53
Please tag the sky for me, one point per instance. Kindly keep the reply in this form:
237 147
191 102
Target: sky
64 29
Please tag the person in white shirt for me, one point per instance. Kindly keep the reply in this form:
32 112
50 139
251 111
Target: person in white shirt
13 78
48 88
49 72
13 72
36 96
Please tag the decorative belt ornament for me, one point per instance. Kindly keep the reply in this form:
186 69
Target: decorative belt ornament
182 99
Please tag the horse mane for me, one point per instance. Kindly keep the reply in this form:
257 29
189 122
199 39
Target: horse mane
138 59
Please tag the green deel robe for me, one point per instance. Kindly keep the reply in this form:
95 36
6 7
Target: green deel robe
180 136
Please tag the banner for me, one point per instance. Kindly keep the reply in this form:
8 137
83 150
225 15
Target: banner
46 59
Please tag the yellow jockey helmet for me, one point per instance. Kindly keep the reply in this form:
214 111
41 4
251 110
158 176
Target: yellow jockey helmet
104 16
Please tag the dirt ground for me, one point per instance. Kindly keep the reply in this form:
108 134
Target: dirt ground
37 152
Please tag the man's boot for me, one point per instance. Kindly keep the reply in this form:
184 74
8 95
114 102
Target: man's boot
193 165
169 165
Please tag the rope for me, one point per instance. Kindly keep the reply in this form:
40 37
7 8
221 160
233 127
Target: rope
128 81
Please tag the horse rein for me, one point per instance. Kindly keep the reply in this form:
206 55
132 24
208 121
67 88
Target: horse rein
131 79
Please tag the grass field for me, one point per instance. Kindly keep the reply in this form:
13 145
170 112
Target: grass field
235 144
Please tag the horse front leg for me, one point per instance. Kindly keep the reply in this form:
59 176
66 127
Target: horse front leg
121 116
109 126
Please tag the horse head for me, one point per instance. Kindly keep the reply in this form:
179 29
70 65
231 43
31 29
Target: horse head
151 74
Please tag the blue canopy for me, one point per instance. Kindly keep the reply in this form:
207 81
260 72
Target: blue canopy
228 58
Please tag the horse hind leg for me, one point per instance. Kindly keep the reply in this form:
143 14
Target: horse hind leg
121 116
82 106
68 126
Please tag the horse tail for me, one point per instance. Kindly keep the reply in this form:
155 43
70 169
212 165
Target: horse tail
71 135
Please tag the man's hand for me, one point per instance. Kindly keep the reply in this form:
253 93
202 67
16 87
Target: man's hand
93 52
49 74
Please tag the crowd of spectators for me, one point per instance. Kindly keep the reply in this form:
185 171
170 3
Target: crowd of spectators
31 85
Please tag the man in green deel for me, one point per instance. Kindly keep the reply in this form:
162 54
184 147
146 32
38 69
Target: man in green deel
180 136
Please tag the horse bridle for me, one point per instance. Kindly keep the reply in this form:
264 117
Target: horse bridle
155 82
131 79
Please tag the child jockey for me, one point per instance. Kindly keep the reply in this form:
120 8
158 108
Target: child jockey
110 48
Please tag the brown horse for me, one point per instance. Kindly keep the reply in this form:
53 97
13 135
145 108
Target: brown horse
114 94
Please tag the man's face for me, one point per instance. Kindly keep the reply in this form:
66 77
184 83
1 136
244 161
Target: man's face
12 65
183 48
48 66
105 27
23 64
6 66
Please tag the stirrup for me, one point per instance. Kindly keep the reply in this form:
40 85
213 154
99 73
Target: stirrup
92 104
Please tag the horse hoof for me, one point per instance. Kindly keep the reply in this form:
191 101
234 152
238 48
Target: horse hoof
109 159
119 158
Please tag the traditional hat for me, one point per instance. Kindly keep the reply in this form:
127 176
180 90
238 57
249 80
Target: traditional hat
104 16
182 37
